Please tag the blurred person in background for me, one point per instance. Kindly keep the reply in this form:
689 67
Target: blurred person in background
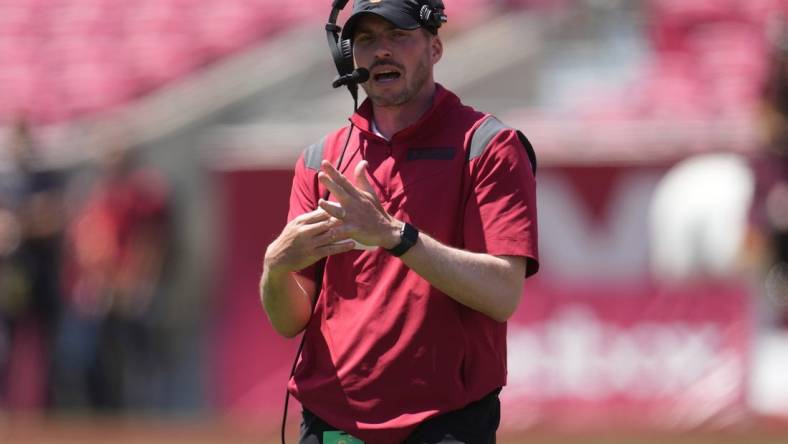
428 243
117 250
699 221
15 289
31 199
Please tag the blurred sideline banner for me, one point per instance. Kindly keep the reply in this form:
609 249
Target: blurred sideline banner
595 341
628 355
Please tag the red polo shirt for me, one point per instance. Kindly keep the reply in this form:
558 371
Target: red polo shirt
384 349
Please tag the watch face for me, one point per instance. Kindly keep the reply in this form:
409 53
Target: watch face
408 238
409 233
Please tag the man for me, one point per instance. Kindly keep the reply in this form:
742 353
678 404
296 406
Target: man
117 253
426 246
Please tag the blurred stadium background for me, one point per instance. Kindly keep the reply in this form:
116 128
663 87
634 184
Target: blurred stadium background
146 158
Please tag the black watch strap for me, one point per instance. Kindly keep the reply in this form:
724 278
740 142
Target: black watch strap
407 238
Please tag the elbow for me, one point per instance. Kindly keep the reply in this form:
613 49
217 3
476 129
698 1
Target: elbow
286 327
286 322
509 303
503 314
509 289
288 333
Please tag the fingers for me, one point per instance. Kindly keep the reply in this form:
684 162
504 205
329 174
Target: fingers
333 187
320 226
338 179
335 248
363 183
313 216
331 236
333 208
361 178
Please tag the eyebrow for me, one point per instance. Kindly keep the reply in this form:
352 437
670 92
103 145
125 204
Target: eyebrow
365 29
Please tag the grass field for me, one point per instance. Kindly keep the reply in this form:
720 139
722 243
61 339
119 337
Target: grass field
151 431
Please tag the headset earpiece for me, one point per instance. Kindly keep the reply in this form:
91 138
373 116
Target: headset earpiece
346 54
341 50
342 54
432 16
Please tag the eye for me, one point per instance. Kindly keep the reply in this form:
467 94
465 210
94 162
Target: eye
398 34
362 39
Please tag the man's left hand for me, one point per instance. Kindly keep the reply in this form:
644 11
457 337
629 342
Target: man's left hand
358 207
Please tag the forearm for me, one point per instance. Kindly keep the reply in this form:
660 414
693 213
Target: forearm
286 302
488 284
287 297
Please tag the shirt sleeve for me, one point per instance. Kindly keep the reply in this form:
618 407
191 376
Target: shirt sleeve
303 199
500 216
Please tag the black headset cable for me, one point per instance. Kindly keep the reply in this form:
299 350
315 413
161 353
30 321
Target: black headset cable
303 335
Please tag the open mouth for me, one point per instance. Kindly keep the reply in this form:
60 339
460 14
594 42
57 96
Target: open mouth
386 76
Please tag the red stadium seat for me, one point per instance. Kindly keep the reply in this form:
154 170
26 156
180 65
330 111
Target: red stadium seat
94 87
145 44
225 26
157 59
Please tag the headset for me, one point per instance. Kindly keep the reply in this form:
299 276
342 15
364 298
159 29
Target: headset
342 53
431 16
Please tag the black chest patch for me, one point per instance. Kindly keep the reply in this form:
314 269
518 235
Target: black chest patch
436 153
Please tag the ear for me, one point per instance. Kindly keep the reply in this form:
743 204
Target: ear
436 49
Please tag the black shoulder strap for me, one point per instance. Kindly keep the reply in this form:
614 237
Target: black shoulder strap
489 128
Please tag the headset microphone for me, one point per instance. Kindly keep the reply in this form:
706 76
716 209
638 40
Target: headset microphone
359 75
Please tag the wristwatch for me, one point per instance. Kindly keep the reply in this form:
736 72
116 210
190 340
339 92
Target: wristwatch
408 236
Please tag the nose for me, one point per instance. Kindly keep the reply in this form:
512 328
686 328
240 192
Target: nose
382 49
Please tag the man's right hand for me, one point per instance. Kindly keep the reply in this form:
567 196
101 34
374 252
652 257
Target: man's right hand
287 298
305 240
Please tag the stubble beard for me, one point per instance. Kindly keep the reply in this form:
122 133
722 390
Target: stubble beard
420 76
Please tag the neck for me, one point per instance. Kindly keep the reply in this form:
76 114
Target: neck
393 119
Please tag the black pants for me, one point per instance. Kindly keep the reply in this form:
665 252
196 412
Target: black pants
475 423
